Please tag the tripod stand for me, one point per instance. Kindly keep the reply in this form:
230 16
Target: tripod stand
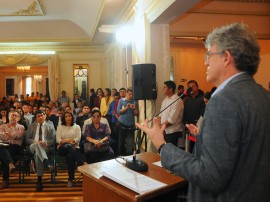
143 138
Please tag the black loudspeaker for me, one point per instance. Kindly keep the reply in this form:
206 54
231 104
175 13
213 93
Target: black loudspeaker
144 82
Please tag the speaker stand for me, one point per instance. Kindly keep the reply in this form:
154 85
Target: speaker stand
144 134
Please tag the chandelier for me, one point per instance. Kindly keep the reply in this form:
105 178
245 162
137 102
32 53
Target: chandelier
23 68
38 77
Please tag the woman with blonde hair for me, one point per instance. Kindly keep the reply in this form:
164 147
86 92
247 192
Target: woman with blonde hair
105 102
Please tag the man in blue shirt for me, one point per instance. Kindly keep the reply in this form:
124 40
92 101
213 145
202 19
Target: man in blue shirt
127 109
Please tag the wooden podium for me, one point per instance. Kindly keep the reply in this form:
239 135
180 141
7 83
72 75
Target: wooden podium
98 188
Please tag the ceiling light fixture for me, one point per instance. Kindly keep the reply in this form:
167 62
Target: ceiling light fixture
107 28
125 34
23 68
38 77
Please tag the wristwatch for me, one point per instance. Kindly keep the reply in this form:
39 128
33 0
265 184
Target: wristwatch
159 149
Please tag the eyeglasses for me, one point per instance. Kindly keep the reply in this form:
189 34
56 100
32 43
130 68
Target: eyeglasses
209 54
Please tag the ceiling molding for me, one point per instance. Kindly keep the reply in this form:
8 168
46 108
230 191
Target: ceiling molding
58 49
128 11
33 9
157 8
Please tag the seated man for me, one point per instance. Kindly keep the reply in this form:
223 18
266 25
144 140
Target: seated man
40 140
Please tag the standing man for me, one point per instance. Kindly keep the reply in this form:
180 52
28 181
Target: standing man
194 107
27 114
63 98
122 92
86 115
127 109
180 90
92 98
76 100
172 116
231 159
40 140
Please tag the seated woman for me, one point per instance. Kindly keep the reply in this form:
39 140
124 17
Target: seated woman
97 134
21 120
3 115
11 136
68 136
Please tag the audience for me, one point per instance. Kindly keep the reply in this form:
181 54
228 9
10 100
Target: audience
112 121
40 141
105 102
12 135
97 147
68 137
98 98
127 108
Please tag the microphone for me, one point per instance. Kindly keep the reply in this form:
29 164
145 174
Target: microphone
133 163
180 96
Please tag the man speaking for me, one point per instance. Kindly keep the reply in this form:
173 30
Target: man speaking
231 160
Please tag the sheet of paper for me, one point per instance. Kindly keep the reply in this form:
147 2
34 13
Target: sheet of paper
158 163
132 180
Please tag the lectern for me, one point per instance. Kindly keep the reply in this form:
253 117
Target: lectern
98 188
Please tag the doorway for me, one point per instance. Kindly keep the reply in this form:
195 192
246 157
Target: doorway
10 87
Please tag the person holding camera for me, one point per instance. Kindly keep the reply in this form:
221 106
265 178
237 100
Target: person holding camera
127 109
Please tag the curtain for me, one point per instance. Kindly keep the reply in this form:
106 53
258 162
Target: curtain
53 74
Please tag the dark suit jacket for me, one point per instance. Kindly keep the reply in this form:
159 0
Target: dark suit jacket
75 104
55 119
49 135
231 161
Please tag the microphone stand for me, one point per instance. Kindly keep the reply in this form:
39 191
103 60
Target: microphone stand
139 165
133 163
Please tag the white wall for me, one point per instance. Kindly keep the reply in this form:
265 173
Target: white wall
66 61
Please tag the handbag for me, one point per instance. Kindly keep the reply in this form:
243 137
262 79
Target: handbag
91 147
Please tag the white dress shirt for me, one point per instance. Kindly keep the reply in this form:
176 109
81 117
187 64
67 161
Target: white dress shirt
173 114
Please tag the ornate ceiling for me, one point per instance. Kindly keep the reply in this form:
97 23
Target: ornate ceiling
63 25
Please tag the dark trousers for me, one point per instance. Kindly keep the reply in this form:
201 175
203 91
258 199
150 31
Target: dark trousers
73 155
94 157
126 140
173 137
7 156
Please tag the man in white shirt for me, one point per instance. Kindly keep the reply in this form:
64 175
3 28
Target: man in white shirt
172 116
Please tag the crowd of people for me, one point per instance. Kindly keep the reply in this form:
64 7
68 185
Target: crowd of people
82 131
225 134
